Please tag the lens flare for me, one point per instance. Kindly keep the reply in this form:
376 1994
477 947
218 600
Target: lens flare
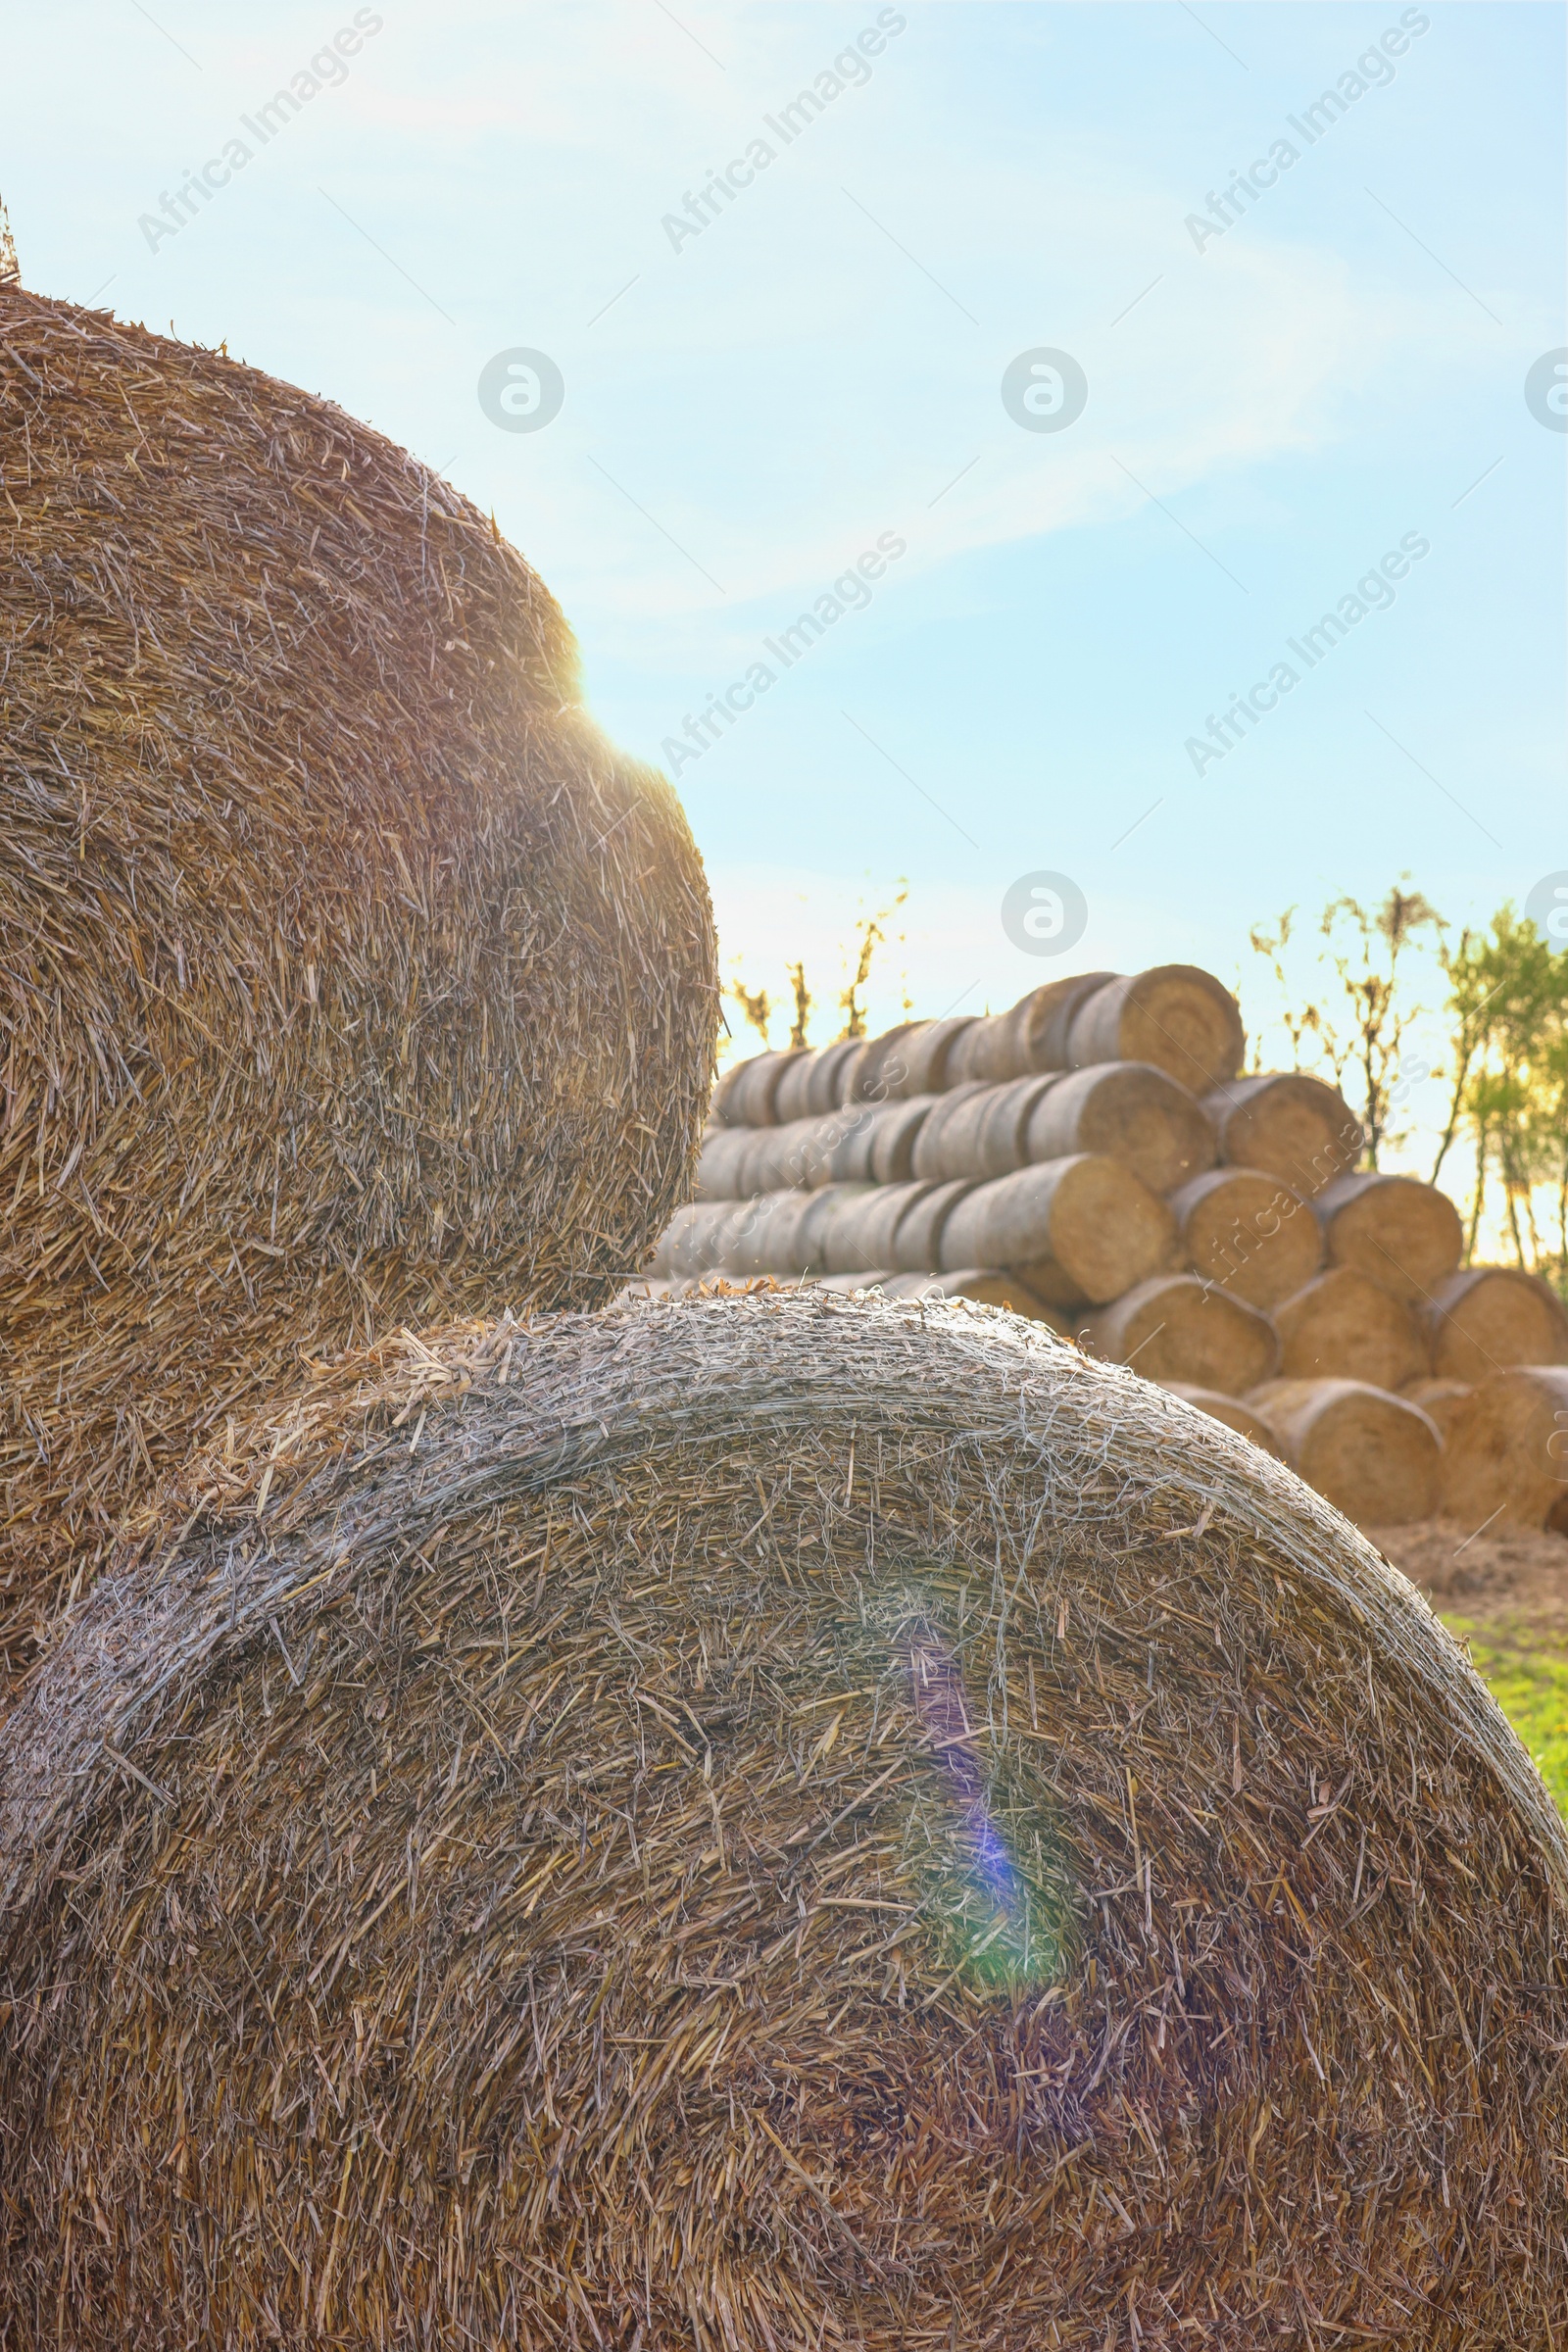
1004 1925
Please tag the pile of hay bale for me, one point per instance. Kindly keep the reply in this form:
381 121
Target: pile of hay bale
1091 1159
769 1820
351 977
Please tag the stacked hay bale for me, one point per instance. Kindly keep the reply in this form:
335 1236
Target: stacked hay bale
1092 1157
350 977
770 1820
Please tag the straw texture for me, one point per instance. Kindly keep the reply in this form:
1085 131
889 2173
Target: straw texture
771 1820
348 974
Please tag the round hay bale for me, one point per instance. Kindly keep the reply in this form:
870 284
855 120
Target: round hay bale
806 1238
1289 1125
722 1169
878 1072
980 1131
1440 1400
920 1224
1130 1111
1507 1455
829 1068
1490 1317
870 1142
1074 1229
852 1235
896 1130
927 1052
1247 1230
783 1156
1339 1326
771 1820
1180 1018
697 1238
726 1087
762 1238
1373 1455
900 1061
1175 1327
1006 1130
747 1096
952 1115
1234 1411
949 1112
351 975
1404 1235
984 1286
1029 1037
808 1085
866 1232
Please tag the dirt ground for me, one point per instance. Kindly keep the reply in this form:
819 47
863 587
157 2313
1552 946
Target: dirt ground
1509 1582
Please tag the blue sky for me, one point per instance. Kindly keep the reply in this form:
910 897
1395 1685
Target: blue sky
749 409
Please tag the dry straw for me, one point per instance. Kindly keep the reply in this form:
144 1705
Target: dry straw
348 976
770 1822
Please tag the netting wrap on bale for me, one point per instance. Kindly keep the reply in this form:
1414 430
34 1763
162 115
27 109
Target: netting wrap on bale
350 977
770 1820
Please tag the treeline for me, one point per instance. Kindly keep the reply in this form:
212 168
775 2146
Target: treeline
1502 1147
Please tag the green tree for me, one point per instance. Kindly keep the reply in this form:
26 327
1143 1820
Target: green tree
1354 1034
1366 949
1508 1079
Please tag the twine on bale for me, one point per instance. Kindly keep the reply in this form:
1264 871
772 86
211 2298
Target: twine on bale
350 977
769 1821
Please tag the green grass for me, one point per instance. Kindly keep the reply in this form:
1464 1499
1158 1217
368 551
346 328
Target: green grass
1532 1690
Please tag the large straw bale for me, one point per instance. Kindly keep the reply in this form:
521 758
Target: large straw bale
1180 1018
747 1096
921 1223
1029 1037
1235 1411
795 1152
1442 1402
986 1286
1124 1110
951 1115
1507 1455
1375 1456
721 1166
1289 1125
810 1086
865 1232
911 1058
926 1054
1128 1110
1075 1229
1176 1327
1490 1317
980 1131
761 1236
770 1821
787 1232
871 1143
1244 1229
878 1071
1339 1326
1399 1233
696 1237
349 975
895 1129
